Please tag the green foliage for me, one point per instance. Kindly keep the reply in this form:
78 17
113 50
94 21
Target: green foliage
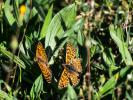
13 57
101 32
46 23
69 94
118 37
37 88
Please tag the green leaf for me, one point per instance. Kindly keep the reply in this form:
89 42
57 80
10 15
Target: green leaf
128 96
4 95
16 11
109 85
108 57
56 28
8 14
112 82
109 60
70 94
37 88
15 59
56 51
80 38
117 35
46 23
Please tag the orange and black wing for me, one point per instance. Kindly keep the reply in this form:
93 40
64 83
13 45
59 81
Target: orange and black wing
70 74
64 79
40 52
42 61
74 78
77 64
45 71
70 53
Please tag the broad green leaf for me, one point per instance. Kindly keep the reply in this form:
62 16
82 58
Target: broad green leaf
63 19
117 35
8 14
16 59
37 87
46 23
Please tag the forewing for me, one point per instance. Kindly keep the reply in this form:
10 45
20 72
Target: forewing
70 53
40 53
45 71
64 80
74 78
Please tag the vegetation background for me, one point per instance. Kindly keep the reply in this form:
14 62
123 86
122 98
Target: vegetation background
101 31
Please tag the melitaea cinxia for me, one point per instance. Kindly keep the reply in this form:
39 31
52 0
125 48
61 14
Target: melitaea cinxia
72 68
42 61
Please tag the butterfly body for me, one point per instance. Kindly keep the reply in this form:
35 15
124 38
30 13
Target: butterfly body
72 68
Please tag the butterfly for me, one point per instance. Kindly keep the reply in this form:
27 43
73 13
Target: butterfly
42 61
72 68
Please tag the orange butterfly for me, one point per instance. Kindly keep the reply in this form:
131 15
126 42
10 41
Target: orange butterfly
72 68
42 61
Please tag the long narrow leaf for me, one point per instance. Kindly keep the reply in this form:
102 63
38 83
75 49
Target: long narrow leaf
46 23
112 82
37 88
16 59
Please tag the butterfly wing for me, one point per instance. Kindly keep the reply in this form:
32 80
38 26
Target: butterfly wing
69 73
64 80
77 64
45 71
42 61
74 78
40 52
70 53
